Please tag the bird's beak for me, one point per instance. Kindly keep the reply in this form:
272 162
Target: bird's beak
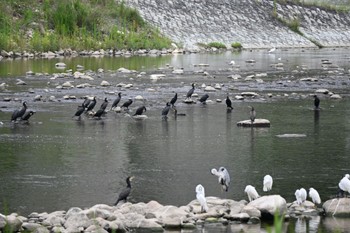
131 178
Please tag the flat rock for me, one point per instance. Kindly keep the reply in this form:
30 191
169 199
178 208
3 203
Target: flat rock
291 135
269 205
256 123
337 207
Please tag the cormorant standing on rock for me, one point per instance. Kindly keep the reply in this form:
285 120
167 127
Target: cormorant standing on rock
79 111
190 92
165 110
229 103
27 115
117 100
252 114
99 113
86 102
125 192
127 104
173 100
104 104
140 110
91 105
316 102
204 98
18 113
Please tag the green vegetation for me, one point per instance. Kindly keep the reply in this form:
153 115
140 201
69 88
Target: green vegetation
48 25
236 45
217 45
277 224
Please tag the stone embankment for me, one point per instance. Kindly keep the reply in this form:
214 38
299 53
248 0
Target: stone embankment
154 216
253 23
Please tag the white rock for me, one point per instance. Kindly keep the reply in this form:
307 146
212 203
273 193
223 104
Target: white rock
235 77
105 83
178 71
2 221
209 88
217 86
323 91
67 85
14 223
124 70
77 220
239 97
336 96
249 94
203 85
256 123
139 97
155 77
291 135
270 204
218 100
128 85
30 73
60 65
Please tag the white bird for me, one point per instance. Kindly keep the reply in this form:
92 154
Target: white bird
272 50
344 184
224 177
300 195
313 194
232 62
267 183
200 195
251 192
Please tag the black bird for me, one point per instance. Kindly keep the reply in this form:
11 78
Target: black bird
165 110
79 111
99 113
228 102
18 113
190 92
27 115
86 102
104 104
123 195
204 98
127 104
316 102
117 100
173 100
91 105
140 110
252 114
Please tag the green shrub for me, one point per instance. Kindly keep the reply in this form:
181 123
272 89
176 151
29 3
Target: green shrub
217 45
236 45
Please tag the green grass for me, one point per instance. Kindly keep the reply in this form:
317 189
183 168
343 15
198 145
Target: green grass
75 24
236 45
217 45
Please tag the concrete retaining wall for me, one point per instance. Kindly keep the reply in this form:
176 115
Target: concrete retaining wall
250 22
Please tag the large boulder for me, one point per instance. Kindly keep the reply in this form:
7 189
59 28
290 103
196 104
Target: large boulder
269 205
337 207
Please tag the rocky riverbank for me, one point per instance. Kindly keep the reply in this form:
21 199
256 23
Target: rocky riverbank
153 216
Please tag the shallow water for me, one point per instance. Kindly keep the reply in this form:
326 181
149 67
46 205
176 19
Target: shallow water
55 162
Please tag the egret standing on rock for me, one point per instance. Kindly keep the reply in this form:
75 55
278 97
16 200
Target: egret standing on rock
224 177
252 114
200 195
116 101
251 192
204 98
315 197
316 102
300 195
267 183
190 92
18 113
140 110
165 110
123 195
228 102
173 100
344 185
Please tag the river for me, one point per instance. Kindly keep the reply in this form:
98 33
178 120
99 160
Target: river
56 162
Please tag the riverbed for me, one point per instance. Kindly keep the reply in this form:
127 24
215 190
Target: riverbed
56 162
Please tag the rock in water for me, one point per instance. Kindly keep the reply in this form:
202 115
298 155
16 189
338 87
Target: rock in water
256 123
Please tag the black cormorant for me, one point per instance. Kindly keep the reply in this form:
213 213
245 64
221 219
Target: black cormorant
228 102
99 113
204 98
190 92
173 100
127 104
18 113
316 102
104 104
117 100
165 110
123 195
140 110
91 105
86 102
27 115
252 114
79 111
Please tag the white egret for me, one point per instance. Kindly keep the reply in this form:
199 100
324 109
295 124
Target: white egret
272 50
300 195
344 184
232 63
313 194
200 195
251 192
267 183
224 177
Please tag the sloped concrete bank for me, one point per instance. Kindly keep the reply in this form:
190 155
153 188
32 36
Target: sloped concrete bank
250 22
